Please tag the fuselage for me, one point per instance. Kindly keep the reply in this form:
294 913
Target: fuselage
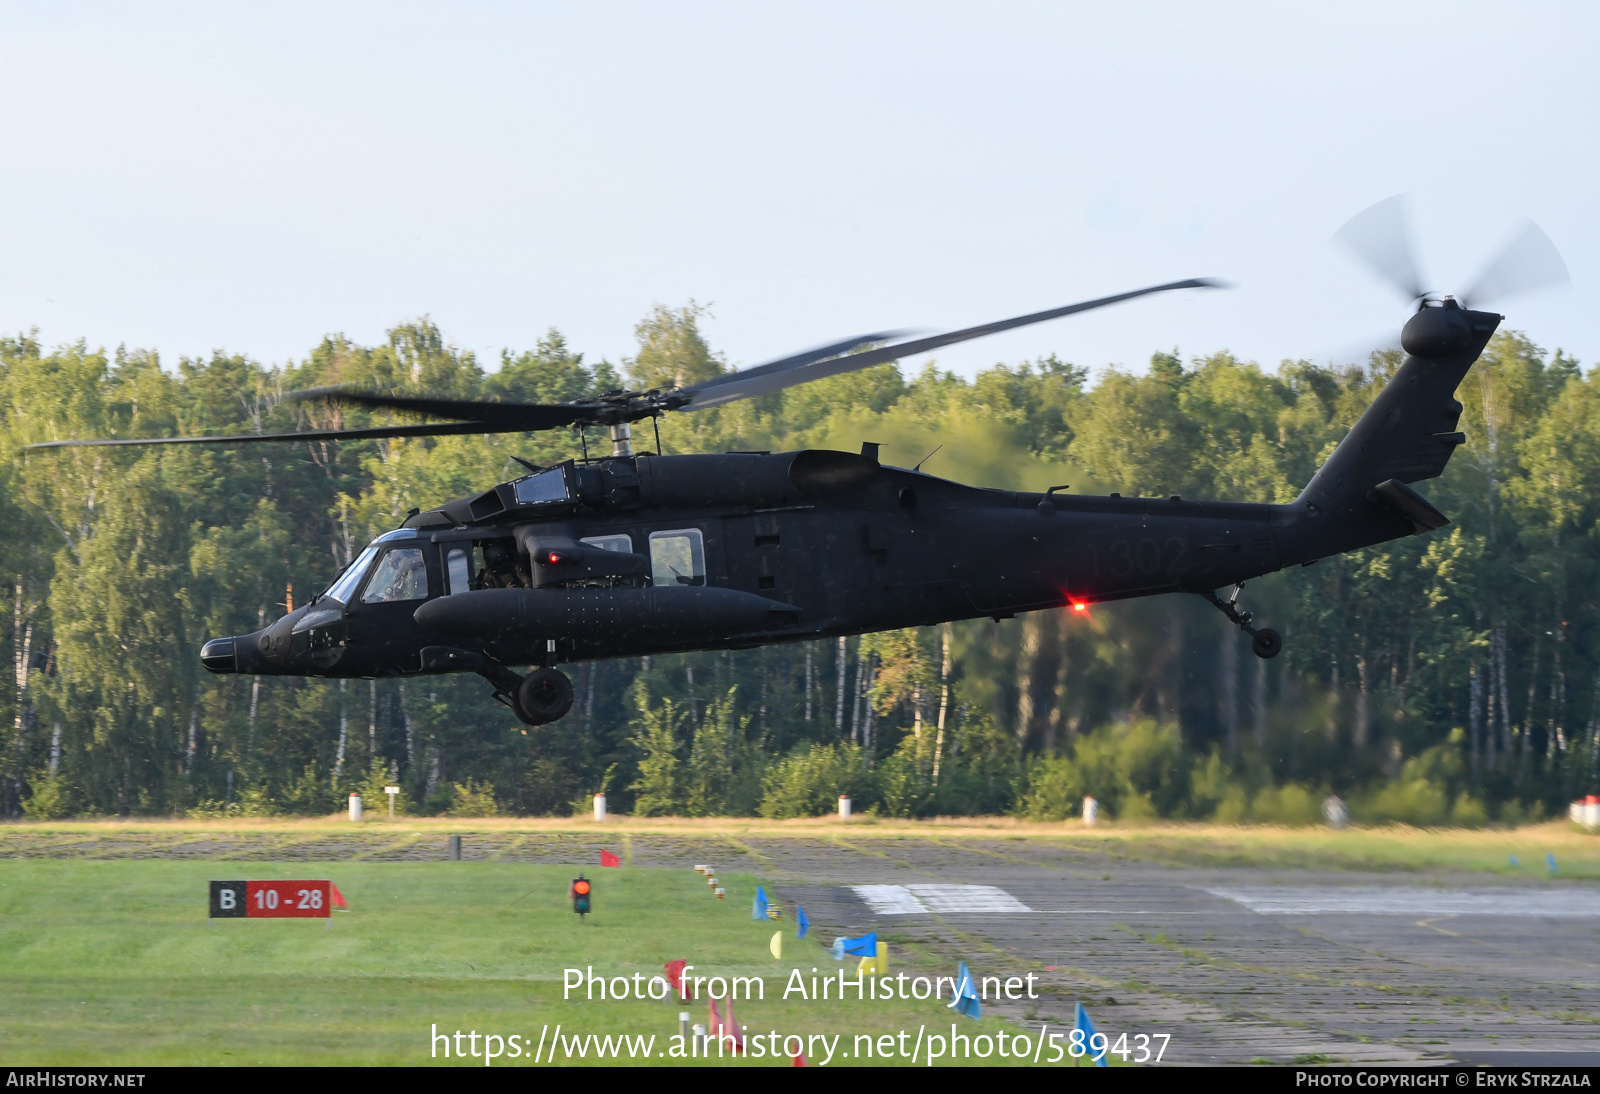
660 554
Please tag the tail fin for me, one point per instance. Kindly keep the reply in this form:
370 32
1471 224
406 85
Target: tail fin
1359 496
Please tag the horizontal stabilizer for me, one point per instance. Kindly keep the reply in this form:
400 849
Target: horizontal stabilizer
1396 495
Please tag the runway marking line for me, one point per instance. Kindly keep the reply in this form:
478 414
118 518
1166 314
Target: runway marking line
1368 900
396 844
922 899
847 846
1428 923
506 848
745 849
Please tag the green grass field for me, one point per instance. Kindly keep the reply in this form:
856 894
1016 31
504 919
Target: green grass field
108 957
115 963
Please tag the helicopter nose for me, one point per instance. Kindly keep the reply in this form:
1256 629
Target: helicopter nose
217 656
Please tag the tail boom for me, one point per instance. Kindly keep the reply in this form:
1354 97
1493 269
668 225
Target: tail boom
1359 496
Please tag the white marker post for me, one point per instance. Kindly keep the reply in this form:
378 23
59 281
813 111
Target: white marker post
391 791
355 806
1334 811
1091 811
599 807
844 807
1586 811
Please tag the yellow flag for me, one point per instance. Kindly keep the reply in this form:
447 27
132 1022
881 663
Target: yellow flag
777 946
878 964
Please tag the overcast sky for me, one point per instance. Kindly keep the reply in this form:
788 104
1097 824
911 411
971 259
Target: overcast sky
252 177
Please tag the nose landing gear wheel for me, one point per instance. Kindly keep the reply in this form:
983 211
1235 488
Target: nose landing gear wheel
543 696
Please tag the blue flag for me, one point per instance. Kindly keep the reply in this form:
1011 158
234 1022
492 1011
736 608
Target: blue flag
1081 1021
865 946
965 997
758 907
802 922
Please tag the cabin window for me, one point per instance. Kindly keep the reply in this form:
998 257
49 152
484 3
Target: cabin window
677 557
399 575
621 543
458 567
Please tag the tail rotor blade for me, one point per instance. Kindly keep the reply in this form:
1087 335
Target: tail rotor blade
1528 261
1359 351
1380 236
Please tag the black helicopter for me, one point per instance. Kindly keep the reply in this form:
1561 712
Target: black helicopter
632 553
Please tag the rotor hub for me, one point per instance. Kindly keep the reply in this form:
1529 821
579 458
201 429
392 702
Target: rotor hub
1444 329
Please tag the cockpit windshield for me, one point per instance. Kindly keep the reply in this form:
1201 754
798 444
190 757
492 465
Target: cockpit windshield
344 588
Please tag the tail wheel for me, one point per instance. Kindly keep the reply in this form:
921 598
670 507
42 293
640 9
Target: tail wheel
545 695
1266 643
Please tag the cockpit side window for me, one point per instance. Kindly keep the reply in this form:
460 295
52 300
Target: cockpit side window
677 557
399 575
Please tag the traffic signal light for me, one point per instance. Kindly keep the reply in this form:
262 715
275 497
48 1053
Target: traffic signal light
582 890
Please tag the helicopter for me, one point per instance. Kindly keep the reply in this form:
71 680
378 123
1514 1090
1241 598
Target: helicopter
638 553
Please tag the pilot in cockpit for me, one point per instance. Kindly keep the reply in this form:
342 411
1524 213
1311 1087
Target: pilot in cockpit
399 575
410 576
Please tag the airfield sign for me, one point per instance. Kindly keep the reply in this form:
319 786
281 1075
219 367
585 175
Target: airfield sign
271 900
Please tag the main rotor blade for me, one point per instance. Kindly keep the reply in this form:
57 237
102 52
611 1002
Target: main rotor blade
807 367
1380 235
500 417
799 360
425 430
521 417
1528 261
475 416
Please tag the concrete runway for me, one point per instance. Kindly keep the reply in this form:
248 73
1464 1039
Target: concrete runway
1241 965
1235 964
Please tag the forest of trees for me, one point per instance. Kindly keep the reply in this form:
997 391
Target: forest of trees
1451 677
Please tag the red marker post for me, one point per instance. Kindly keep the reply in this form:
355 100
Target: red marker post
272 900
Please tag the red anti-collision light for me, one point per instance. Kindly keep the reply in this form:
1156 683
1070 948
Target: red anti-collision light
1078 606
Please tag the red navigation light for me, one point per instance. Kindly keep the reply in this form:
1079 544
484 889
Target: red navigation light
553 558
1079 606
